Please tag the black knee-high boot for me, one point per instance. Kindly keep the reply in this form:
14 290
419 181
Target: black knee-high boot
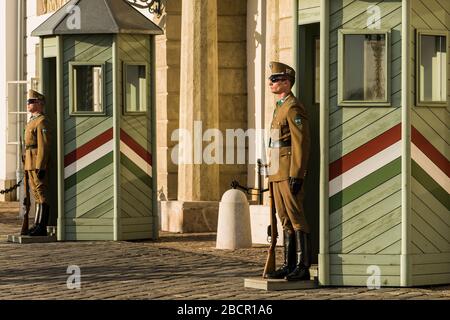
37 217
301 271
41 229
289 258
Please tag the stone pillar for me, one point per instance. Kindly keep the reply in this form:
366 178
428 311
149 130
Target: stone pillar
198 183
168 50
199 98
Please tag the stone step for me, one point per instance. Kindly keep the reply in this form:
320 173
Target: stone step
30 240
279 285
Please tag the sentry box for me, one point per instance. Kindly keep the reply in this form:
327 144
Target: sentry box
384 139
98 72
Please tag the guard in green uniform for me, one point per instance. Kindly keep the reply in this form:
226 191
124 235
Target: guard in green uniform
289 150
37 145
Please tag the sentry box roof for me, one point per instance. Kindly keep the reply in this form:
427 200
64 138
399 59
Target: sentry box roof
97 17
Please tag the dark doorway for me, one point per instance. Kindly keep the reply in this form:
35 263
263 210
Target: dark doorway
308 92
49 89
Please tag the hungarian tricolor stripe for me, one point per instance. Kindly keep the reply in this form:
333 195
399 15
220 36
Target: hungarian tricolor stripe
366 160
137 157
90 157
430 168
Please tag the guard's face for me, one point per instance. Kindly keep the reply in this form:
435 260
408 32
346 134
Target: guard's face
279 84
34 105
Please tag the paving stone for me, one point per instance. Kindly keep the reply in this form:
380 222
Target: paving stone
176 267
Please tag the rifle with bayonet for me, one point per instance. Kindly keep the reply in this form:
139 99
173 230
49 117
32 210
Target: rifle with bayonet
26 200
272 233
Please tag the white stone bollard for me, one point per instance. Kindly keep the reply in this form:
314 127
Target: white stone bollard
234 229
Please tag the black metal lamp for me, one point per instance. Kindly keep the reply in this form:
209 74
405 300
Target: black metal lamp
153 6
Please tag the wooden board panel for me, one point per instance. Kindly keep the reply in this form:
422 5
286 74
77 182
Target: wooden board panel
369 232
361 281
385 190
366 134
89 222
364 218
423 243
366 259
90 236
431 279
430 258
363 270
382 242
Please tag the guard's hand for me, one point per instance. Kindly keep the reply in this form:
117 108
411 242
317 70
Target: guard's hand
40 174
295 185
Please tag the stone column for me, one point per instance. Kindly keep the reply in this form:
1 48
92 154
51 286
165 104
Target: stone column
198 183
168 50
199 98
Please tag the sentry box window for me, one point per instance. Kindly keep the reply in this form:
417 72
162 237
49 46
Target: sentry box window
87 89
135 88
363 68
432 68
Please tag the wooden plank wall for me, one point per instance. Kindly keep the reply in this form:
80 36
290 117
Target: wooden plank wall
50 49
136 182
88 149
430 163
308 11
365 162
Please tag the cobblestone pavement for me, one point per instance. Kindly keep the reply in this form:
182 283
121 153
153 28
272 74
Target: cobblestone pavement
177 267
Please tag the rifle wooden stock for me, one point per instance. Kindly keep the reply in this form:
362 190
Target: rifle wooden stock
271 260
27 205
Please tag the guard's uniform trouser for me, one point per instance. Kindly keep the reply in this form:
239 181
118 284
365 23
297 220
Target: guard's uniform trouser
290 207
39 187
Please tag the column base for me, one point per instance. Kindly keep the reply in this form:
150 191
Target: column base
189 216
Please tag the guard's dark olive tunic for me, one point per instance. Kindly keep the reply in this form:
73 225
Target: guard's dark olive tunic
37 145
289 154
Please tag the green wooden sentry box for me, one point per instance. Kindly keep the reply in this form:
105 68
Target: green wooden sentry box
106 189
385 171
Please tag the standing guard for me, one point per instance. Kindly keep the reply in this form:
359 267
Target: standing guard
37 152
290 141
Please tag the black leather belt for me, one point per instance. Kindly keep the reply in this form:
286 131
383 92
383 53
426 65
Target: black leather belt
280 144
31 147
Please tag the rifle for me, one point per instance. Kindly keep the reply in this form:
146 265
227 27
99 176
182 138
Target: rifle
26 200
272 232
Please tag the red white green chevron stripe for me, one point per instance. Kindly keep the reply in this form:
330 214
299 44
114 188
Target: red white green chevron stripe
135 154
379 160
430 168
366 167
88 159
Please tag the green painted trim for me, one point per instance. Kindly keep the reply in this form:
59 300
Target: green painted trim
363 103
61 233
41 63
324 237
155 199
430 185
116 128
365 185
434 32
405 265
295 42
88 171
135 170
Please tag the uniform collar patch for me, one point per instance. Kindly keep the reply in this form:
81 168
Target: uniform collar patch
282 101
